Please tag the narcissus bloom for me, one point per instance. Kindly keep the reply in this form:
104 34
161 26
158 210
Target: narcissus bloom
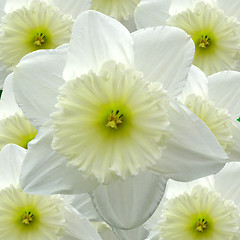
215 101
14 126
215 33
109 124
206 208
25 216
31 25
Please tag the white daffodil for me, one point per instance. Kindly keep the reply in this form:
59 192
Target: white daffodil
30 25
213 25
25 216
207 208
215 101
105 123
14 126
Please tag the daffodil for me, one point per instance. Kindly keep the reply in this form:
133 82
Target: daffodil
25 216
206 208
213 25
32 25
107 120
215 101
14 126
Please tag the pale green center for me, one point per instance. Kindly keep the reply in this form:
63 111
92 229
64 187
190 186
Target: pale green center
115 119
40 39
204 41
201 225
27 218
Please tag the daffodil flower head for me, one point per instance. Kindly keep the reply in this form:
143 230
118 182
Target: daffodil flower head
111 123
25 216
39 26
215 35
217 119
201 214
120 10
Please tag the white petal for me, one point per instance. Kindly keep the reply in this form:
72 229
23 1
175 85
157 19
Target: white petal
3 70
78 227
151 13
227 182
193 150
72 7
128 204
164 54
36 81
8 97
83 203
11 158
230 7
196 83
96 39
235 151
224 90
12 5
139 233
45 172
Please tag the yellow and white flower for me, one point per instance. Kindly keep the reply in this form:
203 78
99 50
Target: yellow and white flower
32 25
215 101
206 208
108 124
26 216
215 33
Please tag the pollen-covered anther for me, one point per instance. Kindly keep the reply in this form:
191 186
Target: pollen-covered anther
201 225
114 119
39 39
204 42
27 218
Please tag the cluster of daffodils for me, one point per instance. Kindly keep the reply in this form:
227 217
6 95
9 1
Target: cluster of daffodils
118 120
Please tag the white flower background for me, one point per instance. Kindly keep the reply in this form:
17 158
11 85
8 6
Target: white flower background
120 120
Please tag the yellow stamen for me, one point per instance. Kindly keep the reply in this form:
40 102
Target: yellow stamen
201 225
27 218
39 39
204 42
114 119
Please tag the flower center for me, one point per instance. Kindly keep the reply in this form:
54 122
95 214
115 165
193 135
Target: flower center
204 41
27 218
40 38
115 118
201 225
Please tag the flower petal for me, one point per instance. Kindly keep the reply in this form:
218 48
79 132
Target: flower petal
235 151
50 172
11 157
230 7
227 182
72 7
139 233
3 71
39 74
164 54
196 83
151 13
13 5
78 227
96 39
224 90
128 204
192 151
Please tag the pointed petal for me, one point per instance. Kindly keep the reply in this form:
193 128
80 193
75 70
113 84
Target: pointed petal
224 90
139 233
78 227
50 172
196 83
39 74
72 7
128 204
11 157
164 54
193 151
227 182
152 13
96 39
